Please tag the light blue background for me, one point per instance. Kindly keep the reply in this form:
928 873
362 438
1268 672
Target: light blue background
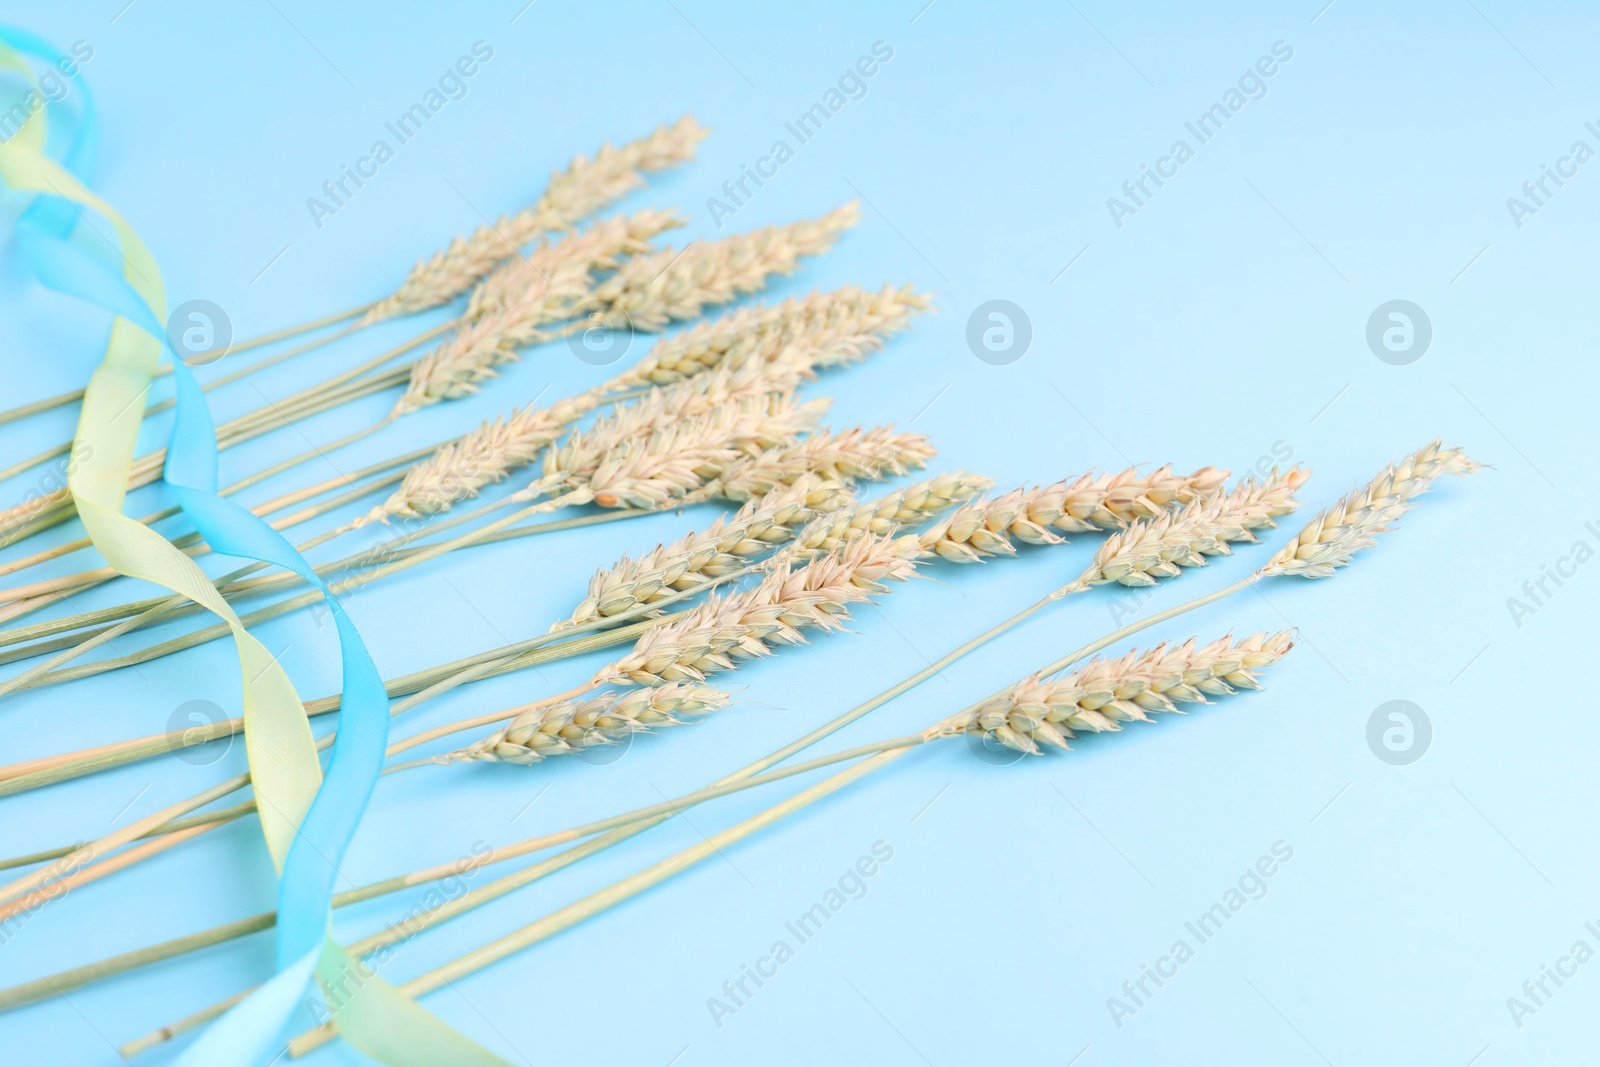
1225 320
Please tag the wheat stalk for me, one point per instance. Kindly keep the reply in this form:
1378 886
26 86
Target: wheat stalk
817 330
1352 523
576 725
1105 693
1319 536
1229 662
583 188
648 292
562 287
722 629
765 521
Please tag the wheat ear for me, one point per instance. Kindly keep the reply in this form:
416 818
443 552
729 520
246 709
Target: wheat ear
886 515
583 188
827 327
1158 548
838 326
608 242
612 468
711 636
1352 523
542 289
1318 535
1105 693
815 482
880 452
703 556
576 725
648 292
986 528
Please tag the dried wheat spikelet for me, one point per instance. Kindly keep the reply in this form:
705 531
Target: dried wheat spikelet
583 188
552 280
886 515
702 556
723 629
613 468
456 471
1086 504
1105 502
1111 501
684 648
1353 522
765 522
608 242
1158 548
648 292
853 454
575 725
1105 693
676 406
835 327
839 322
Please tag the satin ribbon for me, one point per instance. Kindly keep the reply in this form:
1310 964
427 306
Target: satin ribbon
308 819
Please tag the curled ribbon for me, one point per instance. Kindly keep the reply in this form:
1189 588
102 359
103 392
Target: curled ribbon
307 818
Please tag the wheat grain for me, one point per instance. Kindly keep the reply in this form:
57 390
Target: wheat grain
1105 693
648 292
583 188
1352 523
575 725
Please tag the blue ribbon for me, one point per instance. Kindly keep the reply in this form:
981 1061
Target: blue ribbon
250 1032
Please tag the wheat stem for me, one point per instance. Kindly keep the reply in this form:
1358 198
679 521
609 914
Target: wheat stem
76 978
